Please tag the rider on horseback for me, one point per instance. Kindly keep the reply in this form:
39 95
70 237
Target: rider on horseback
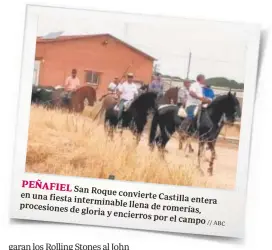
126 92
71 84
113 86
183 93
194 100
156 85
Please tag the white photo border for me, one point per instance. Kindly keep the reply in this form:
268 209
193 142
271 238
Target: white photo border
231 202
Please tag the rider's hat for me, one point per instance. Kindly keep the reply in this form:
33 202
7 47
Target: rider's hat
130 74
187 80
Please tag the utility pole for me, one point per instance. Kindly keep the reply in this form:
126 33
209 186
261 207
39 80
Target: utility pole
189 65
156 68
126 32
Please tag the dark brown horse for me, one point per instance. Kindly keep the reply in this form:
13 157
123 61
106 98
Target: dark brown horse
107 101
170 96
53 98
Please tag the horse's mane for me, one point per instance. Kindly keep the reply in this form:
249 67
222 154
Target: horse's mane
142 97
220 98
145 95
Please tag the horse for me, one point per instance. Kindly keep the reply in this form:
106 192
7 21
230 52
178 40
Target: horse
134 117
108 101
52 97
190 133
168 120
170 96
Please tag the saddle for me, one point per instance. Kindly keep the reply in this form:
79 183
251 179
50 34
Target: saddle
183 114
126 106
165 106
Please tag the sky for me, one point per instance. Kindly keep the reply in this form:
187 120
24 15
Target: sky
218 48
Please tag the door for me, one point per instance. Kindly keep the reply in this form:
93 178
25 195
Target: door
36 72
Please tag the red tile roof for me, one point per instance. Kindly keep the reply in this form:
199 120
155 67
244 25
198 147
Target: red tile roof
76 37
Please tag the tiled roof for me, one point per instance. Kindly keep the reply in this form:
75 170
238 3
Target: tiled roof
76 37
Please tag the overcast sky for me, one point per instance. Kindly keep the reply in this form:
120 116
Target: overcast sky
218 48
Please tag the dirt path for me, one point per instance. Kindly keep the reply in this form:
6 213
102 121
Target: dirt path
224 166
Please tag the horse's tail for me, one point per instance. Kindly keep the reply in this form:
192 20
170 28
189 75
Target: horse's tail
153 128
99 112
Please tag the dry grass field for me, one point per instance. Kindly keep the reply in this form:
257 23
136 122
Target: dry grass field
74 145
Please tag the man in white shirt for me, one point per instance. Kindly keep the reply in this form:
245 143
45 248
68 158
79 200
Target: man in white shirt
183 93
194 99
113 85
127 92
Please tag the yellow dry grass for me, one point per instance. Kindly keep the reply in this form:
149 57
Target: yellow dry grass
74 145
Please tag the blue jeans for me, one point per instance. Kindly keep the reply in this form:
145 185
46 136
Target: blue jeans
121 108
190 111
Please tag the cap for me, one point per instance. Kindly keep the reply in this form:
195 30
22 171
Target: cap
187 80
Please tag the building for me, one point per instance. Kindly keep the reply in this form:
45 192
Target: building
97 58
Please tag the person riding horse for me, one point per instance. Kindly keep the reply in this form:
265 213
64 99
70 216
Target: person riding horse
183 93
71 84
195 99
156 85
126 91
113 85
112 88
208 92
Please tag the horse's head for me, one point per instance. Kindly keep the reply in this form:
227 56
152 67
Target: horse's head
226 104
231 107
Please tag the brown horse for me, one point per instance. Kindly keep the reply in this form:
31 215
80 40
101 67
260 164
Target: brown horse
170 96
108 101
53 98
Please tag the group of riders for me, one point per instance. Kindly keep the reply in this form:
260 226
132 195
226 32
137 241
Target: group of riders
191 96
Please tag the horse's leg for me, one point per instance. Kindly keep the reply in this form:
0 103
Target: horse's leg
140 122
181 138
215 155
100 115
188 145
161 140
200 151
166 132
191 150
111 130
210 169
121 132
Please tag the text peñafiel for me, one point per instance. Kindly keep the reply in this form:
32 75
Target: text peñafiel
46 185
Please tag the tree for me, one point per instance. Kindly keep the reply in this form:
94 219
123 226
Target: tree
224 82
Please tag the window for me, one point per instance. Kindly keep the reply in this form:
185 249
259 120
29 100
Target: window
92 77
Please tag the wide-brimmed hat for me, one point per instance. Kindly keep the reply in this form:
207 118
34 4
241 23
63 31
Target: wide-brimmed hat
188 81
130 75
